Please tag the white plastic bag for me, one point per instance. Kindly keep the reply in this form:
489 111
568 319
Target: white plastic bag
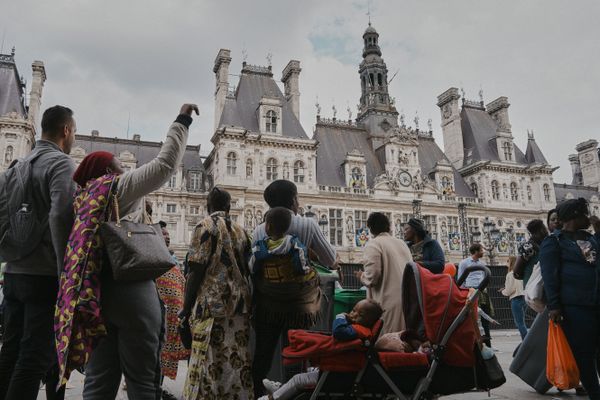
534 291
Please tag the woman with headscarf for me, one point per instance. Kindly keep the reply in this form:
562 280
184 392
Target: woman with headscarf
570 263
113 328
425 251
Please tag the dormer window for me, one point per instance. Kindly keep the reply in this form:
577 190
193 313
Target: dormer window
194 181
507 148
271 125
357 180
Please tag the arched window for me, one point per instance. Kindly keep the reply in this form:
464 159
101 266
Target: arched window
299 172
514 192
507 148
546 189
271 121
231 163
8 155
529 194
495 190
475 189
272 169
286 170
249 166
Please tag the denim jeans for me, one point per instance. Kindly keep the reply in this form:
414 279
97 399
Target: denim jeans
28 350
518 306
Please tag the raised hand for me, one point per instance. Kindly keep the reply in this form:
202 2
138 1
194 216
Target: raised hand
188 108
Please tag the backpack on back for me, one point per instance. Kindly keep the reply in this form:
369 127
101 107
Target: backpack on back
21 226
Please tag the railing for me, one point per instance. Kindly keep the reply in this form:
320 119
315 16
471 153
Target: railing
349 190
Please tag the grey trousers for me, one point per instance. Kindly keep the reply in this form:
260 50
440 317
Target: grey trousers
133 315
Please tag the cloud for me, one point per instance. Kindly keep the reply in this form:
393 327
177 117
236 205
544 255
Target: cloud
138 60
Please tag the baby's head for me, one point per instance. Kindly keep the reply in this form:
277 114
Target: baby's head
366 313
277 222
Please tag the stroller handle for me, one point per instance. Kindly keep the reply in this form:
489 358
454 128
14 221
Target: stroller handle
486 276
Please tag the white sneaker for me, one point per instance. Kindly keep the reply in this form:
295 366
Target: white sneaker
271 386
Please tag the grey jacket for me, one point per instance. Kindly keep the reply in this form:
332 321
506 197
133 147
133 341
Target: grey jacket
53 191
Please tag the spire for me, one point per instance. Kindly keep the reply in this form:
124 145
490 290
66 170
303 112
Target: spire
534 154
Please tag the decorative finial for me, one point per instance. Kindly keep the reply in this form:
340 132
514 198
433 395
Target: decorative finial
481 94
530 134
430 125
357 109
318 107
402 123
269 58
12 53
462 91
334 111
416 120
349 113
244 54
369 11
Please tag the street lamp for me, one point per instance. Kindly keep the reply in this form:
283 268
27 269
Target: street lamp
323 224
511 239
492 235
475 235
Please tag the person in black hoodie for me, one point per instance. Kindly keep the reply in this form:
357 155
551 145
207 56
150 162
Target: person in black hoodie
426 251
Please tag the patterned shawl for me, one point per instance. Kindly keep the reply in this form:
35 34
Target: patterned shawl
78 323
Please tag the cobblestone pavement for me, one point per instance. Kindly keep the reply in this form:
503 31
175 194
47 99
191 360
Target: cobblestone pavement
504 341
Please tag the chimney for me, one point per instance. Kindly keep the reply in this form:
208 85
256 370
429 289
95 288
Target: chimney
451 129
590 162
575 169
221 70
137 137
35 96
95 133
498 110
290 78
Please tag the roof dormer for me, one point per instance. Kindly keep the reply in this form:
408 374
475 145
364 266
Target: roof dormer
269 115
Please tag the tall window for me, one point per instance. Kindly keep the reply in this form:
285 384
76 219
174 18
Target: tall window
529 194
194 181
272 169
495 190
507 148
286 170
430 222
172 184
171 208
249 165
360 219
335 227
546 189
475 189
8 155
271 121
453 226
299 172
514 192
231 163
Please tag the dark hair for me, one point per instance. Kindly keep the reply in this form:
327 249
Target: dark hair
279 219
162 224
373 312
378 223
218 200
281 193
54 119
418 227
475 247
549 215
535 225
571 209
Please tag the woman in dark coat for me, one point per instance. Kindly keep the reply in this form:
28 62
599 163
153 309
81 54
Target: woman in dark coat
426 251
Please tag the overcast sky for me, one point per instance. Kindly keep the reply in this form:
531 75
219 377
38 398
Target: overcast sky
140 59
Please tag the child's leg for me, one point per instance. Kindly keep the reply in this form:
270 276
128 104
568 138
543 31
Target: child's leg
293 386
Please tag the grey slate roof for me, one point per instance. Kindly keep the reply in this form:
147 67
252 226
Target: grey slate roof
334 143
242 111
479 131
11 89
144 151
533 154
562 189
430 154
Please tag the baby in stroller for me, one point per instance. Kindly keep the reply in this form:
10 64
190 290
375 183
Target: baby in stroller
355 325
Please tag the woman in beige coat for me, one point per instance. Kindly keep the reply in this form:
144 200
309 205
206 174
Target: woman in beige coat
385 259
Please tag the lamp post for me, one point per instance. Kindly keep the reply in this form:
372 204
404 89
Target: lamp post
475 235
492 235
323 224
511 240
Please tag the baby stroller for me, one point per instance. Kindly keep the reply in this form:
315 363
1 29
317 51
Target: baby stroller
434 306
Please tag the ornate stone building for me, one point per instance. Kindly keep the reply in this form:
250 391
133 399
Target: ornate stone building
481 183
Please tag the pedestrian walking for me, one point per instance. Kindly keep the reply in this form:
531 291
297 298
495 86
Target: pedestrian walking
217 304
31 273
529 251
425 251
513 289
570 263
384 261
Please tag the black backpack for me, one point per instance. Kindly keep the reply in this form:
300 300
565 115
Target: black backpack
21 225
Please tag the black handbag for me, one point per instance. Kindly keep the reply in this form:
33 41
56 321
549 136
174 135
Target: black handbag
135 251
488 372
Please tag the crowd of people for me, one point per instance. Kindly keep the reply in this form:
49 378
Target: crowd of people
226 306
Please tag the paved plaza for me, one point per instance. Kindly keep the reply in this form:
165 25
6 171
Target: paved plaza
504 341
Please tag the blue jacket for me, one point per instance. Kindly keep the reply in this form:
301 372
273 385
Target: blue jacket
568 278
433 255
